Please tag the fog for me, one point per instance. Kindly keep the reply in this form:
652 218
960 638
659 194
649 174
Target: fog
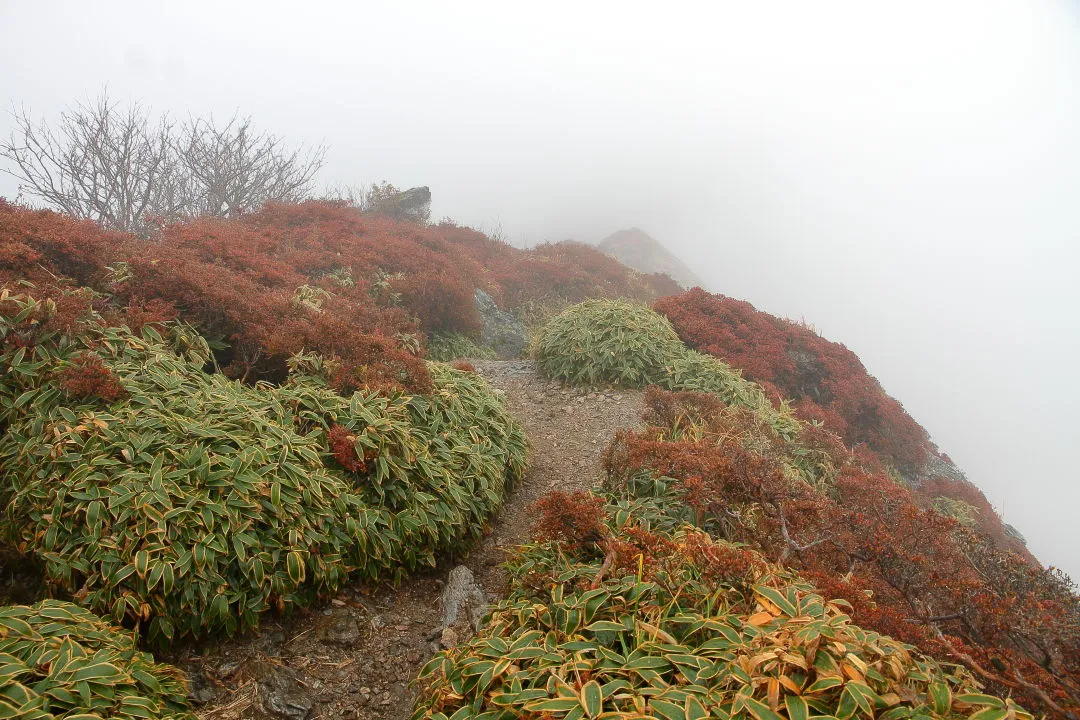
904 178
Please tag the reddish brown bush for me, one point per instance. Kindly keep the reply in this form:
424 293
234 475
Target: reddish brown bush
826 380
574 518
357 289
342 443
87 376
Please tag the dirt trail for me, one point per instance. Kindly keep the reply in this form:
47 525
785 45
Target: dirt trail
355 655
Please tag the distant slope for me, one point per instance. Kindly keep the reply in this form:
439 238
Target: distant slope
637 249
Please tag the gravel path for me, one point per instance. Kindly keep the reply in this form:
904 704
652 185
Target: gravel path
354 655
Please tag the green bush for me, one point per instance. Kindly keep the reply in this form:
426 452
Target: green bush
187 503
621 343
608 342
446 348
660 620
58 660
960 511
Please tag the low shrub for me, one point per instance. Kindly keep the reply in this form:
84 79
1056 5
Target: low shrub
608 342
191 503
312 277
58 660
621 343
667 622
446 348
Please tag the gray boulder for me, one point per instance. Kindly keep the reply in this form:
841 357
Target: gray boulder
413 204
502 332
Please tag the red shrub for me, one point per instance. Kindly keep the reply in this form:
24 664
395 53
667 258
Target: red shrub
87 376
314 277
826 380
575 518
342 443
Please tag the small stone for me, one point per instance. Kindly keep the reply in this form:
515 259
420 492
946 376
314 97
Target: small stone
449 639
203 695
227 669
341 629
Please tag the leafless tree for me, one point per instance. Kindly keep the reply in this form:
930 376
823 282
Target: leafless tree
126 171
99 162
233 169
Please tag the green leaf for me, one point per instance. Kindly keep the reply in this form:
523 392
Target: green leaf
797 709
592 698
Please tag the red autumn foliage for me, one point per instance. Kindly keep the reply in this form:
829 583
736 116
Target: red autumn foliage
574 518
355 288
827 381
342 443
69 311
639 550
908 570
987 521
721 564
87 376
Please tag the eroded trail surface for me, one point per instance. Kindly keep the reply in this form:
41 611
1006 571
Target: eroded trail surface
354 655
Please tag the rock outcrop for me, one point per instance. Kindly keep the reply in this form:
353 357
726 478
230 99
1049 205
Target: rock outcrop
502 332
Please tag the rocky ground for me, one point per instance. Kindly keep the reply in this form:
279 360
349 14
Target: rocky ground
355 655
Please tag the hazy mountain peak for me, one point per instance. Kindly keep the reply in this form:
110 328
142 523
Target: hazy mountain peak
637 249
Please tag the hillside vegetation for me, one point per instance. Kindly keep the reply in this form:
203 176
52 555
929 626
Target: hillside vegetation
623 609
912 568
184 503
360 289
827 383
237 416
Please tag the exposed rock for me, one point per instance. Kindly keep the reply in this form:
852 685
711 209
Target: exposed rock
937 466
449 639
341 628
1014 533
413 204
280 694
200 690
462 593
502 332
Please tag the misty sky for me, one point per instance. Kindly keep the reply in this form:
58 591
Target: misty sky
905 178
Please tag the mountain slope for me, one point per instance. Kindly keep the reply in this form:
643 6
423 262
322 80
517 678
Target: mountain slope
637 249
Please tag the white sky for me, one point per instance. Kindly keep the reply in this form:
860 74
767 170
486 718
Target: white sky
904 176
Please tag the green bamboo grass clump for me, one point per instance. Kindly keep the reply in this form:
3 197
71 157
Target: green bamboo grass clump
650 618
188 503
601 342
617 342
446 348
58 660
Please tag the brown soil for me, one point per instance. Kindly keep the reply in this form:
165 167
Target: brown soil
355 655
